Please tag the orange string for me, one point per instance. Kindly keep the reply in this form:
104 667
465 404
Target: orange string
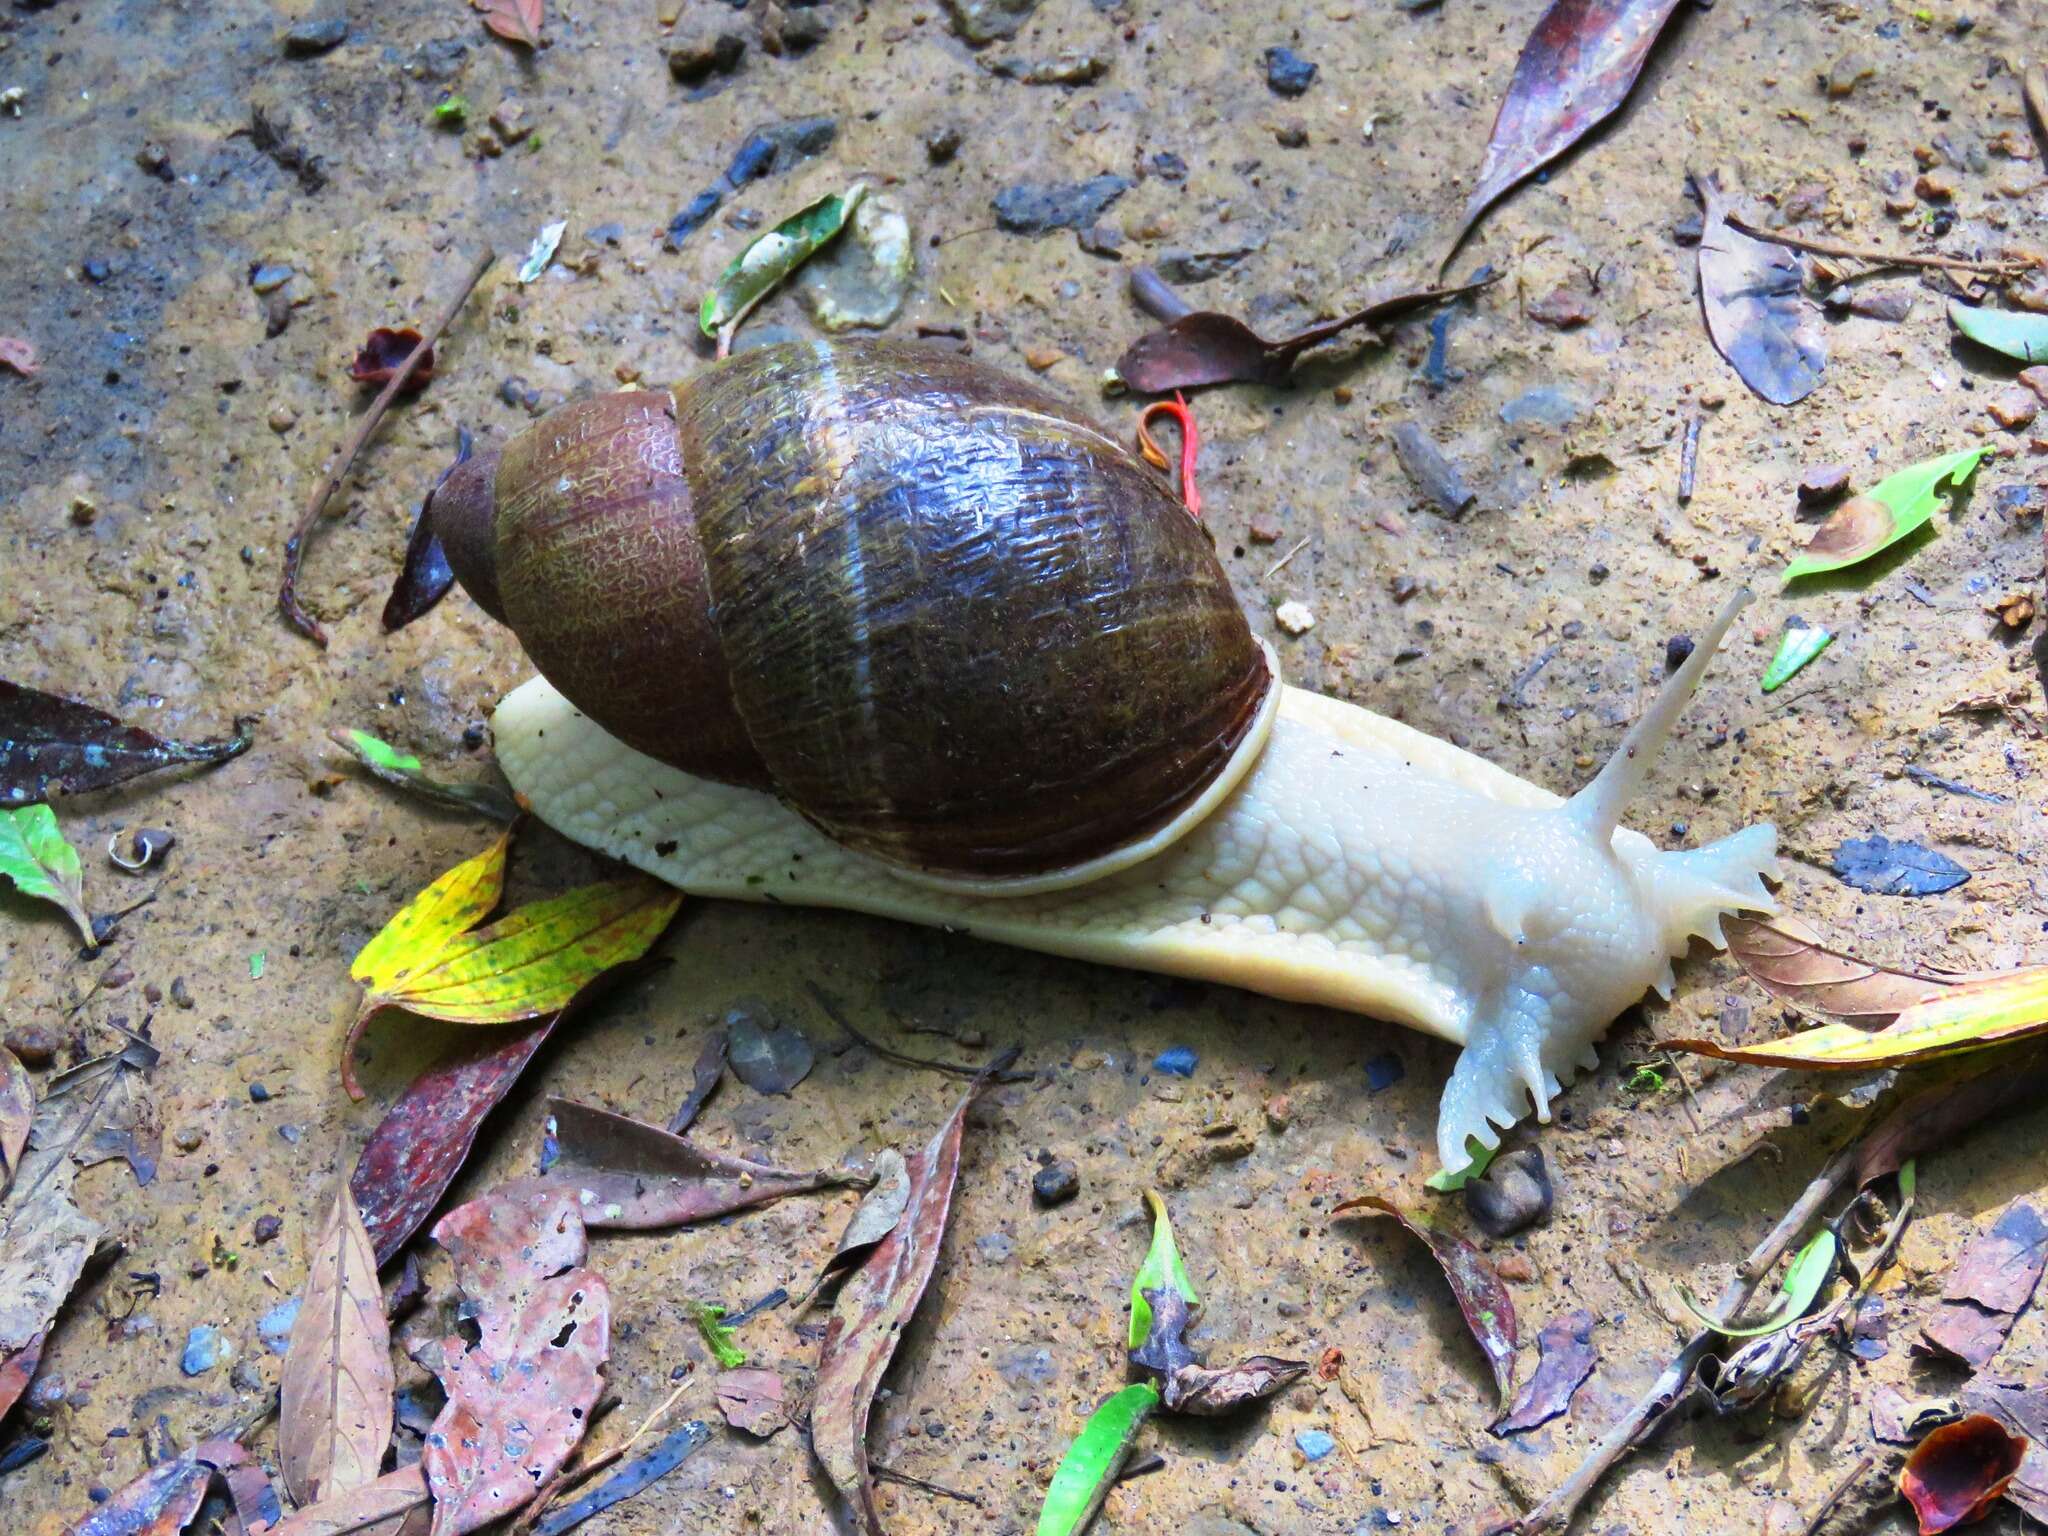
1190 445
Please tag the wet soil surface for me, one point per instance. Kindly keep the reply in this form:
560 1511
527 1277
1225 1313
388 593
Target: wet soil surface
148 477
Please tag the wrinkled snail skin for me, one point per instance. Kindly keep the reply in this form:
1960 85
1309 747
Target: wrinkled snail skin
1327 854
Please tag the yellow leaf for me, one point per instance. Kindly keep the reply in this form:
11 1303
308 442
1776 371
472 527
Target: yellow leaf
453 904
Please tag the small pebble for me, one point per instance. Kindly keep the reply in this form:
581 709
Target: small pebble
2036 379
943 143
275 1326
1513 1195
1822 483
1314 1444
1265 529
95 270
188 1138
259 1094
35 1044
282 419
1057 1184
1296 618
1287 72
309 39
1292 134
1935 186
2013 407
1515 1267
1676 649
204 1349
180 993
269 276
267 1228
1176 1061
1383 1071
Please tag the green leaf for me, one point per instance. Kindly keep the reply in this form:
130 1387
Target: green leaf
717 1337
1795 649
1088 1471
770 258
34 855
1807 1276
2003 330
452 111
1909 1178
1481 1155
404 770
1162 1267
1884 514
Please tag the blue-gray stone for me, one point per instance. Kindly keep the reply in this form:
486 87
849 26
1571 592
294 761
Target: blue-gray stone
1314 1443
204 1349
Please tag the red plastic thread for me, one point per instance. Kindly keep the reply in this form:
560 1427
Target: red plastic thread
1190 445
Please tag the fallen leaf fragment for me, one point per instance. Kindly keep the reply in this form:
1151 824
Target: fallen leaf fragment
1088 1471
771 1058
384 352
543 249
19 356
670 1452
1936 1116
1162 1267
424 575
49 743
1887 866
1565 1361
750 1397
517 21
1878 518
18 1369
705 1075
397 1504
1958 1472
2022 1407
164 1499
1757 315
336 1396
1806 1277
405 770
872 1220
34 855
2013 332
1791 961
17 1114
769 258
45 1238
1488 1309
1990 1283
1798 646
1203 1391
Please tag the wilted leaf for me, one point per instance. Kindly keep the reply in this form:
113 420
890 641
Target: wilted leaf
719 1339
1959 1471
397 1504
670 1452
34 855
2013 332
705 1076
750 1397
45 1238
1488 1309
771 257
861 279
425 576
1885 866
17 1114
1209 1392
1753 1373
1800 644
1929 1120
404 770
1162 1268
1577 67
872 1220
541 252
2023 1409
1809 1273
1897 505
1758 317
335 1404
164 1499
516 21
1790 961
18 355
384 352
1564 1363
1991 1281
421 1143
1165 1349
873 1307
50 743
457 901
768 1059
1088 1471
630 1176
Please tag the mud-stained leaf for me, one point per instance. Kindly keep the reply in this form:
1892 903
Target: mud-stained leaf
862 279
875 1304
718 1338
1792 962
335 1403
1959 1471
405 770
705 1076
1757 314
1210 1392
630 1176
19 356
1896 506
1577 67
421 1144
1088 1471
1887 866
18 1369
520 1397
49 743
517 21
1992 1280
872 1220
45 1238
1210 348
768 1058
1161 1268
397 1504
164 1499
2011 331
1806 1277
34 855
1934 1117
669 1453
256 1503
1488 1309
769 258
131 1130
1565 1361
384 352
1798 646
17 1114
750 1397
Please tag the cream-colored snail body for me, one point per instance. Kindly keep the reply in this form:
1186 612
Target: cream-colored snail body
863 625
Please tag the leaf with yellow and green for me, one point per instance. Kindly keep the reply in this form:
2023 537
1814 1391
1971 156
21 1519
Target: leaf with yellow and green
450 907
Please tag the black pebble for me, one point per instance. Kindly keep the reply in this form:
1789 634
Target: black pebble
258 1094
1514 1195
1057 1184
1287 72
1676 649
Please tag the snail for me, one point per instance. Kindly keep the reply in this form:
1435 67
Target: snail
868 626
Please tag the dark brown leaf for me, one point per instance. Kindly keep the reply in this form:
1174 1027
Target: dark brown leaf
668 1453
164 1499
1204 1392
335 1403
705 1077
384 352
397 1504
425 576
1577 67
516 21
1566 1360
750 1397
872 1220
418 1148
1757 316
256 1502
1958 1472
1992 1280
1489 1310
50 743
1935 1116
2022 1409
632 1176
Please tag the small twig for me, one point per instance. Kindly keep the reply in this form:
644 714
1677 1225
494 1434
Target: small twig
1889 258
295 546
952 1068
1827 1505
1150 292
917 1482
1274 569
1689 456
1692 1103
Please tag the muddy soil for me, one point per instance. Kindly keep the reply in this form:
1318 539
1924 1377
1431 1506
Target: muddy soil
148 477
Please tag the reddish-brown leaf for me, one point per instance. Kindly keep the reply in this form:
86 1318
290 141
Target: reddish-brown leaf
632 1176
750 1397
383 352
418 1148
164 1499
1489 1310
871 1310
19 355
2023 1409
1566 1360
335 1403
1577 67
397 1504
1992 1280
516 21
1958 1472
18 1370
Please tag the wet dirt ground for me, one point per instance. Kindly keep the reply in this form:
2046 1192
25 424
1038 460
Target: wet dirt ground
149 475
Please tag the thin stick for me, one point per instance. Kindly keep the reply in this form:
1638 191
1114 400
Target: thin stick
1888 258
955 1069
1274 569
1672 1384
1689 456
295 546
917 1482
1827 1505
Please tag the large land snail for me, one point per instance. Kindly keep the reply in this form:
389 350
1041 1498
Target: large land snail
866 625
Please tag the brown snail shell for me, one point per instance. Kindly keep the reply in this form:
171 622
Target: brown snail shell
935 608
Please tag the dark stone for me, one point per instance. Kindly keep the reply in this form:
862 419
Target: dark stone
310 39
1676 649
1513 1196
1287 72
95 270
794 141
943 143
440 59
1200 266
267 1228
1056 1185
1823 483
692 218
259 1094
1037 208
35 1044
1101 239
696 52
1168 166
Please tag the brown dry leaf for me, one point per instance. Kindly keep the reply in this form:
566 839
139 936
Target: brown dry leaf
1992 1280
1790 961
1211 1392
45 1238
751 1399
874 1305
17 1114
1756 315
18 355
1958 1472
872 1220
18 1369
384 352
1932 1118
516 21
397 1504
335 1405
